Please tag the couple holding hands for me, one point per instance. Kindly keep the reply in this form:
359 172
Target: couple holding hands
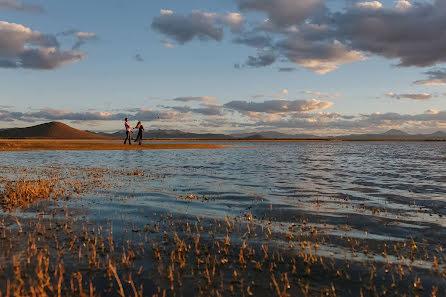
129 132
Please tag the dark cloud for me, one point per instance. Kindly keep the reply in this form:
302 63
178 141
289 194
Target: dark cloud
417 97
308 34
263 59
14 5
44 55
435 78
48 58
197 24
414 34
278 106
254 40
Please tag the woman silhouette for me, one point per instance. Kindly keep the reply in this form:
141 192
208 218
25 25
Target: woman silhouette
139 136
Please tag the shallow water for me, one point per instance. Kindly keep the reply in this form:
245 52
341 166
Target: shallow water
389 190
362 205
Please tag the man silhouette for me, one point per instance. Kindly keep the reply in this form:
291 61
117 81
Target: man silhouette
128 131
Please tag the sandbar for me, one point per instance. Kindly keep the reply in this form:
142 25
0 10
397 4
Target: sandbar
94 145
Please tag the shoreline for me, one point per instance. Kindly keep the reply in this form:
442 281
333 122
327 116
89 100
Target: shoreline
94 145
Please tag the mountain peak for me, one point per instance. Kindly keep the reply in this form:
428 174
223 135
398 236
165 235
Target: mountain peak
51 130
395 132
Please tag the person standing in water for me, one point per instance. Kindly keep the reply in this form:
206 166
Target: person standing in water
139 136
128 131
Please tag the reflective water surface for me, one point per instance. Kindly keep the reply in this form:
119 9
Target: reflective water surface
388 189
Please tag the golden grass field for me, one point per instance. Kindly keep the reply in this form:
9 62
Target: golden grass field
93 145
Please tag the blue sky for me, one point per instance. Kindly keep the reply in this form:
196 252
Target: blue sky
342 80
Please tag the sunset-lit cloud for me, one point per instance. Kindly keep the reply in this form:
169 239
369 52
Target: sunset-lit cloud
322 94
198 99
435 78
278 106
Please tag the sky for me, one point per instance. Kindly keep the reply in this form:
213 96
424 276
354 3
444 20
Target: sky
325 67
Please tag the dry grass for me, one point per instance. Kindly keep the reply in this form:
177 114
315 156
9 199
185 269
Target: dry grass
23 193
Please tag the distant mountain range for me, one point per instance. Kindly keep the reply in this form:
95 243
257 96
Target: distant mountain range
265 135
169 134
57 130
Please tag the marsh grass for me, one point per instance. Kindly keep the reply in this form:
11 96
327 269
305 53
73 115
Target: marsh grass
58 254
22 193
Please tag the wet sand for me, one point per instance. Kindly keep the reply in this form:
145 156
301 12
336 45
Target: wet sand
94 145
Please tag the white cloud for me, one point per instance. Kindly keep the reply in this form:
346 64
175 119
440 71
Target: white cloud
403 4
370 5
166 12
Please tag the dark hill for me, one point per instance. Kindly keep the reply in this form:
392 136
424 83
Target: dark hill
52 130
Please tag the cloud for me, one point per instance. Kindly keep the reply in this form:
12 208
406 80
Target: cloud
435 78
417 97
197 24
318 56
82 37
283 12
208 109
49 114
370 5
16 6
287 69
167 44
44 54
264 58
309 34
432 111
278 106
233 20
322 95
138 58
403 4
253 39
323 122
414 35
197 99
